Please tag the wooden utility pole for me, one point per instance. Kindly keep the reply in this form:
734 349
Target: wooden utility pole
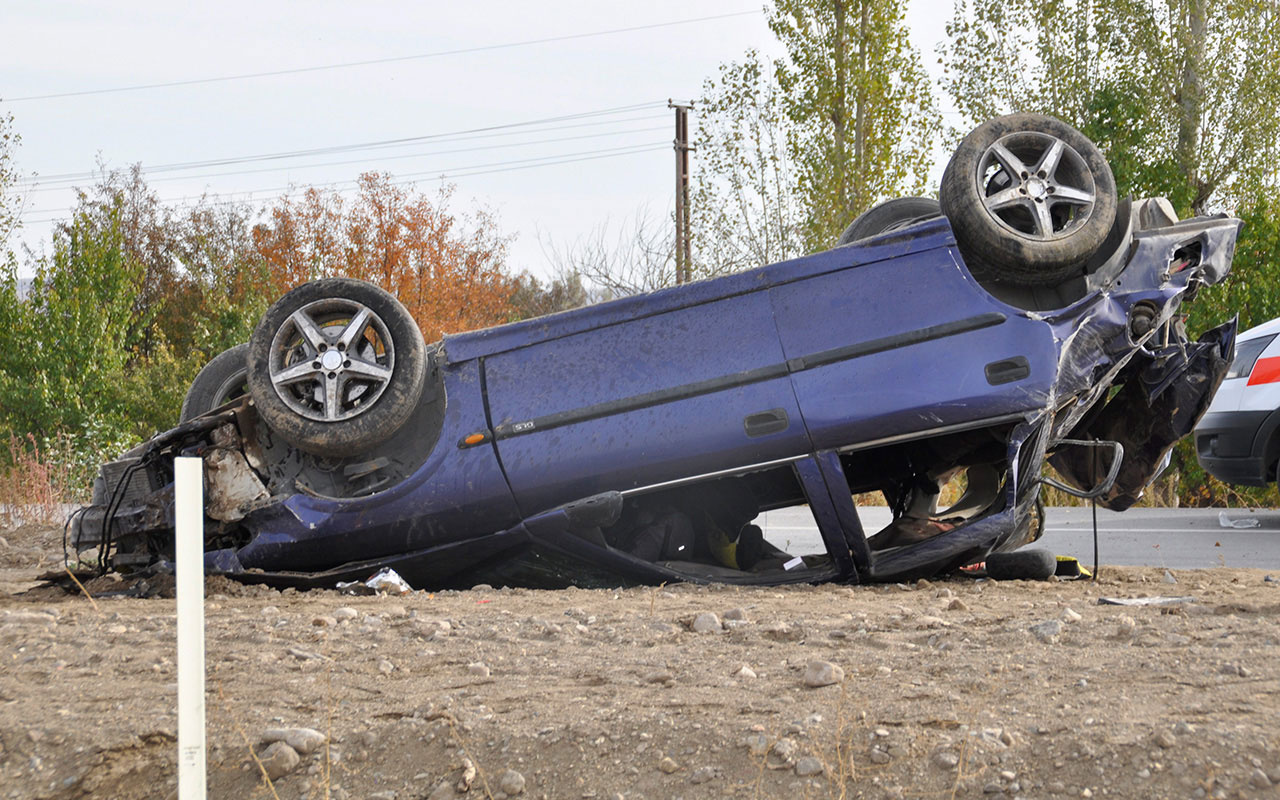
684 247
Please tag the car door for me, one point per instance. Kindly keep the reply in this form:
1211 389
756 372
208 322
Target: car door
904 345
688 390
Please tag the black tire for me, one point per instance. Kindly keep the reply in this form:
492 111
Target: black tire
1022 565
889 216
1021 216
221 381
337 389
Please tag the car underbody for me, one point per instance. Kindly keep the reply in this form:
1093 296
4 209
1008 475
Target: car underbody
1100 387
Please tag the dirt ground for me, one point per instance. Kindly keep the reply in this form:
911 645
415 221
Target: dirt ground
955 688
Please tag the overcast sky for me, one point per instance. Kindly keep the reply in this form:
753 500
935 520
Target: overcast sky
604 154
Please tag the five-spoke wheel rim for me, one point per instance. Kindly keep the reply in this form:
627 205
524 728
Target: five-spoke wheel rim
331 360
1036 185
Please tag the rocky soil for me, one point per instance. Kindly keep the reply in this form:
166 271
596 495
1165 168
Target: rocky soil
957 688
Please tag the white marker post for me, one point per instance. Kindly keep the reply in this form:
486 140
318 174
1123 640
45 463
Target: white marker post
188 492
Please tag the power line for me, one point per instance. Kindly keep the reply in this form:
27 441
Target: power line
651 129
409 178
372 145
370 62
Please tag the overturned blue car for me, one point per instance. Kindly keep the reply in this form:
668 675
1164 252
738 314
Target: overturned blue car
1028 317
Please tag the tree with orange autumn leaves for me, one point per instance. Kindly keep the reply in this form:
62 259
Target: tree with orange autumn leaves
451 278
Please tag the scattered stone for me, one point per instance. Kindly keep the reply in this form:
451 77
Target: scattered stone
992 788
1126 627
659 676
756 743
468 775
443 791
306 655
1047 631
879 757
324 621
386 667
783 753
706 622
957 604
736 614
668 765
345 613
1270 579
1071 616
782 632
1165 739
945 759
703 774
304 740
1259 780
1168 577
822 673
479 670
1184 728
279 759
1235 669
512 783
745 672
809 766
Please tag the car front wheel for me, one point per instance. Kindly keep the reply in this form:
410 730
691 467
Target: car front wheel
1030 199
336 366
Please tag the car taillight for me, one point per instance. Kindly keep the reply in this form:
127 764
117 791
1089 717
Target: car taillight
1247 355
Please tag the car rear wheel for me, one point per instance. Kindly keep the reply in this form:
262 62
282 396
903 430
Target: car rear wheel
221 381
336 366
889 216
1030 199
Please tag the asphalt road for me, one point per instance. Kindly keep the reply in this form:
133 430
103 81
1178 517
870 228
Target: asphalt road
1187 538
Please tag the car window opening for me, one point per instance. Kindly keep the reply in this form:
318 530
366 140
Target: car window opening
720 528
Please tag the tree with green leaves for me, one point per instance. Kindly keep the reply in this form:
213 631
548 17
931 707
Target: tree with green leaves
9 140
790 151
67 343
863 119
745 208
1183 96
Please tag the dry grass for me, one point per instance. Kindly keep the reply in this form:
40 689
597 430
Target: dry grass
38 483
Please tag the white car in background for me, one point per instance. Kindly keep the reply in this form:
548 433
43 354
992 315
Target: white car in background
1238 440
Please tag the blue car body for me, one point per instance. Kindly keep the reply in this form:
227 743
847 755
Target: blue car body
872 365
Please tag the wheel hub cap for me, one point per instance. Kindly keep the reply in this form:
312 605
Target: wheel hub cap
1036 186
331 359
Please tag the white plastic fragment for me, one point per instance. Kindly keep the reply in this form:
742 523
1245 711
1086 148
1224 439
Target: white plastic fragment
1243 522
1144 601
387 581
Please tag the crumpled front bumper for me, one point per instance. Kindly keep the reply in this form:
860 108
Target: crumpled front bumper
1165 394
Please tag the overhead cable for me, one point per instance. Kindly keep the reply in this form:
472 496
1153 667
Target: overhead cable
373 61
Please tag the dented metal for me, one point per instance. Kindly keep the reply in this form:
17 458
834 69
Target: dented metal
619 443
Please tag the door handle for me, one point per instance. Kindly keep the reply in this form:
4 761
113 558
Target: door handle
764 423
